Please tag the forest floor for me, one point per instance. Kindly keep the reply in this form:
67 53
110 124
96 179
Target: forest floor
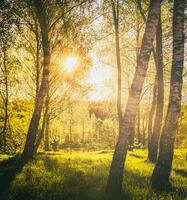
82 176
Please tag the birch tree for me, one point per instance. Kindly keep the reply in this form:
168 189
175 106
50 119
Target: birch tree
115 178
162 170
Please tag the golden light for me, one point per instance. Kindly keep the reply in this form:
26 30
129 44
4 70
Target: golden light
70 63
100 77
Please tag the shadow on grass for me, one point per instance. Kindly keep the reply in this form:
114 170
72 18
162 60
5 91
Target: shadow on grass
135 155
75 184
79 184
69 180
181 172
52 153
138 187
168 193
9 169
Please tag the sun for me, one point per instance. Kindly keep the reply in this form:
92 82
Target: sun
70 63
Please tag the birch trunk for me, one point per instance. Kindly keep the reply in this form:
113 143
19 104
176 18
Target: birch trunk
154 140
115 178
115 11
152 112
162 170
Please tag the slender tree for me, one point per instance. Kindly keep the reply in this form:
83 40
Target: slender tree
138 28
29 148
154 139
162 170
41 132
5 97
7 22
116 16
37 59
138 127
114 182
154 128
47 120
152 112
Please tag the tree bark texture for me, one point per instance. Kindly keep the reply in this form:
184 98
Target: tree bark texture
162 170
154 139
29 148
115 178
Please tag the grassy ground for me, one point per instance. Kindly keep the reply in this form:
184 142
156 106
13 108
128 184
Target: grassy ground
82 176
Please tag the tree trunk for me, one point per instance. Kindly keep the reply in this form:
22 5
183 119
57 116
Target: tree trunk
83 132
29 148
154 134
70 128
70 136
6 101
144 125
151 113
139 133
47 146
41 132
47 120
154 139
37 64
162 170
114 183
137 53
115 11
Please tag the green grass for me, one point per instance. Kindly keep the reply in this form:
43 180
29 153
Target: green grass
82 176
